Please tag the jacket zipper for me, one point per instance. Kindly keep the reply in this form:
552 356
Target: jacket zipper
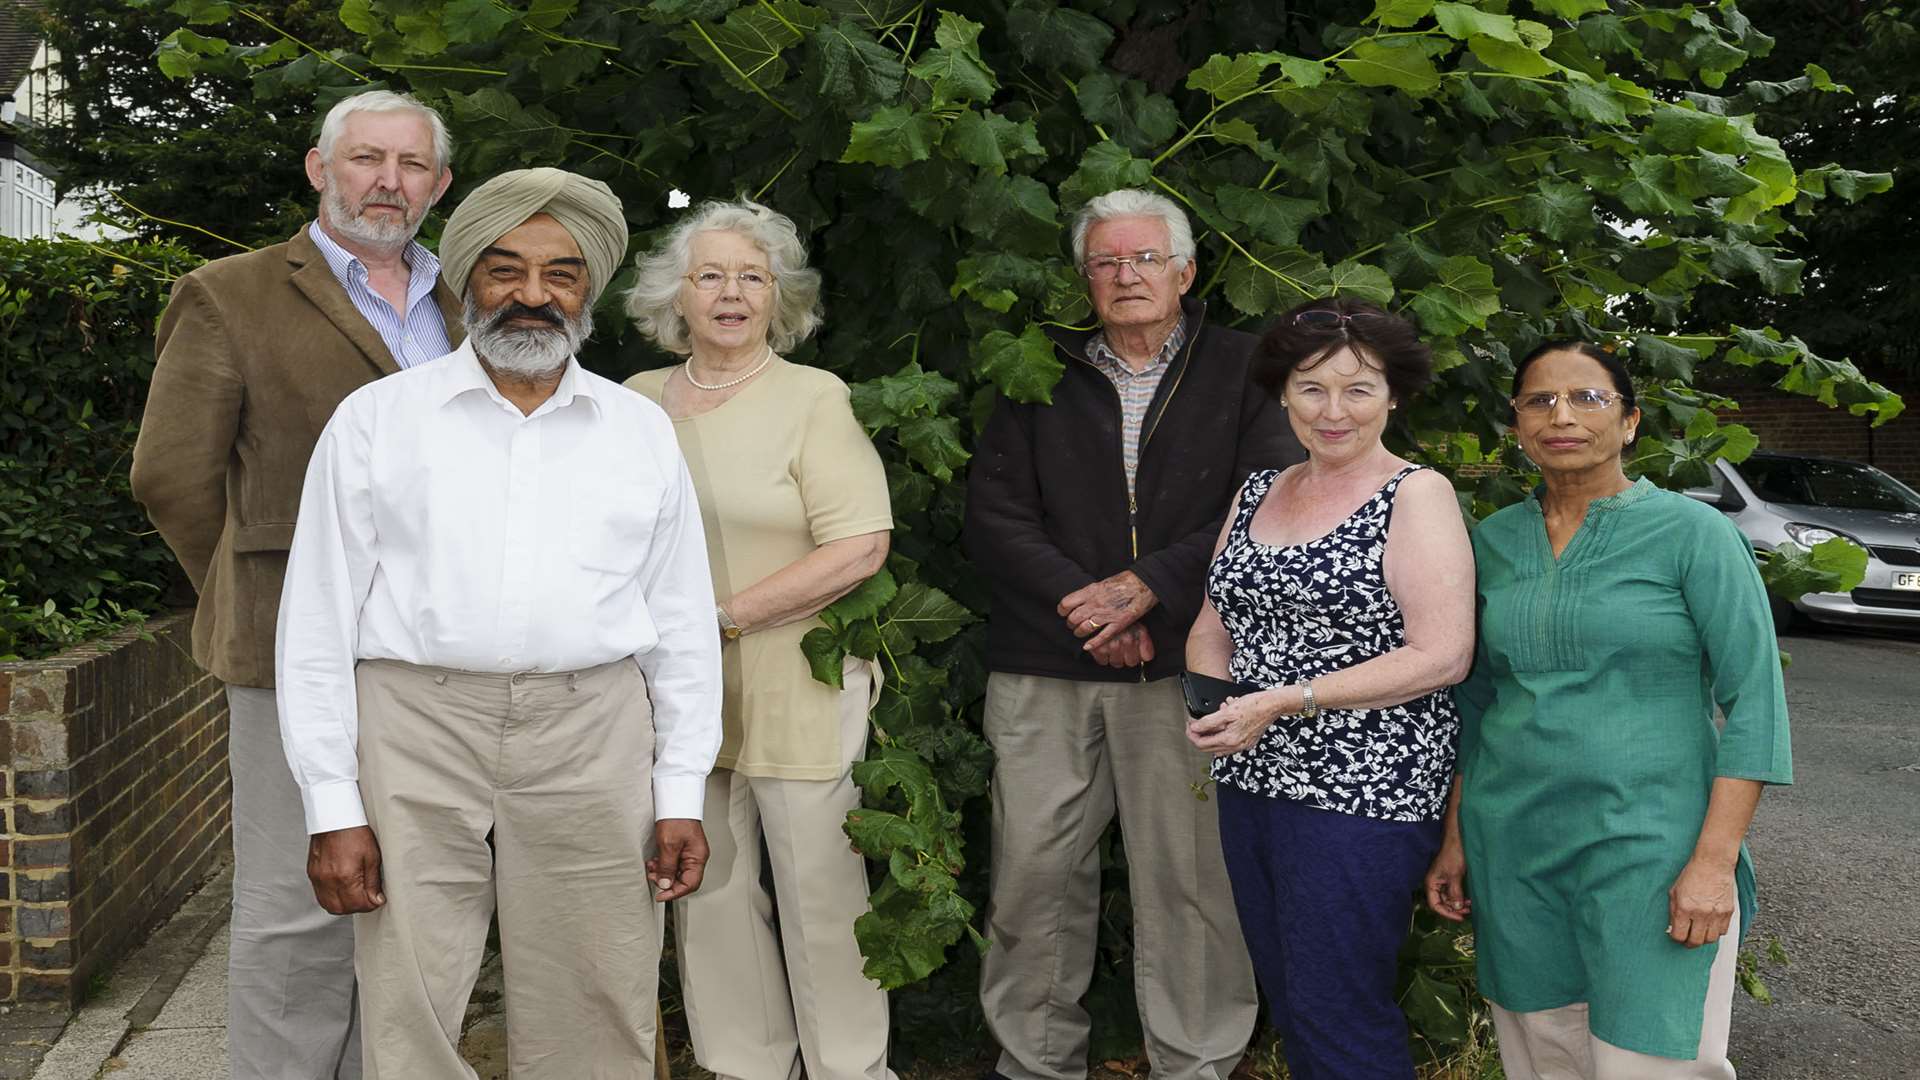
1133 506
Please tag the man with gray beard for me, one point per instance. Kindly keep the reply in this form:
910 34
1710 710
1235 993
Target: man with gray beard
499 676
253 354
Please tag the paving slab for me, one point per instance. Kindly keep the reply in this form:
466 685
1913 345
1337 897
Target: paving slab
139 988
176 1054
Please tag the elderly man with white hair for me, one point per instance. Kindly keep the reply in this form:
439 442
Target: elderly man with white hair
253 354
498 669
1092 518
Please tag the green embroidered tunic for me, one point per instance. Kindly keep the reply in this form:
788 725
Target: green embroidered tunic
1589 749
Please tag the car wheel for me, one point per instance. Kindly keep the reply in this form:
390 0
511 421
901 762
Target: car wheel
1785 616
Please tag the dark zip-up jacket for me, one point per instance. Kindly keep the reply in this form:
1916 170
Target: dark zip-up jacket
1047 505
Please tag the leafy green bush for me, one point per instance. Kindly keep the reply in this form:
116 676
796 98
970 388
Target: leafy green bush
77 556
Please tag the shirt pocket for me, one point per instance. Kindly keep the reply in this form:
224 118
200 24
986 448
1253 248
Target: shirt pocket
613 518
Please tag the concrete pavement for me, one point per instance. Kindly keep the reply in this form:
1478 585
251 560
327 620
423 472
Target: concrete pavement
1838 859
162 1015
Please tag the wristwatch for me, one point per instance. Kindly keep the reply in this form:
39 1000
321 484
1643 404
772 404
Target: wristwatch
1309 708
729 629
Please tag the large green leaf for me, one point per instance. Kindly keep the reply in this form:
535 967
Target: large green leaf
1463 21
1832 566
1024 367
1399 64
954 68
852 69
896 136
1462 297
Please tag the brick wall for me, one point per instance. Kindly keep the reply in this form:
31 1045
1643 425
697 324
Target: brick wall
1793 424
115 799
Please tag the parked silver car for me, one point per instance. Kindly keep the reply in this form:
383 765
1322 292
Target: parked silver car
1779 497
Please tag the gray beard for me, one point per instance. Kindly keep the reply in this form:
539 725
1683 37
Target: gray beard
370 232
528 352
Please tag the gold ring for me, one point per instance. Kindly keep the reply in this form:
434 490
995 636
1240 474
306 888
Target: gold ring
1095 624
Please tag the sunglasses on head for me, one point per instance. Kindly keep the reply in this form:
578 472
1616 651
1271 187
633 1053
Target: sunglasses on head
1327 319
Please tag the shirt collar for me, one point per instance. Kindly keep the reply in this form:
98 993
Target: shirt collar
459 372
423 267
1100 353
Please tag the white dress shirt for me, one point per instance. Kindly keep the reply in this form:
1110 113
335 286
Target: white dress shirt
439 526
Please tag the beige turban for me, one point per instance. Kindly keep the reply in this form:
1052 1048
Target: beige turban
586 208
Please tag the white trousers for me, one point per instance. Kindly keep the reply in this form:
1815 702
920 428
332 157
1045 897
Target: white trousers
1556 1044
764 1002
290 983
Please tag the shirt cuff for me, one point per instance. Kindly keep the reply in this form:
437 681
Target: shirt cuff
679 797
333 805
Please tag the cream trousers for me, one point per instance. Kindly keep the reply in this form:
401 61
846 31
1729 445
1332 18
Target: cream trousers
1555 1044
534 793
764 999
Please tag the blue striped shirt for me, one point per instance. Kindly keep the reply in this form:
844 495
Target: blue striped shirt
422 335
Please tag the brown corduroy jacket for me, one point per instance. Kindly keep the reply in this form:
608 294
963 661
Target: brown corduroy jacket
253 354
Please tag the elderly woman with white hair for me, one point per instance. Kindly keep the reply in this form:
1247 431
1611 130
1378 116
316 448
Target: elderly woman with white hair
795 505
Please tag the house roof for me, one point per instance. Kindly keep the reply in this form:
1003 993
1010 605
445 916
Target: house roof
19 40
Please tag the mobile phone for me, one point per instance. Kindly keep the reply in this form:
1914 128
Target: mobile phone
1204 693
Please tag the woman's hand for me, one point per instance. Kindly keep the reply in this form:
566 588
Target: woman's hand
1700 904
1447 879
1239 722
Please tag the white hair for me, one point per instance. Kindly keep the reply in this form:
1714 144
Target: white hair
385 101
661 272
1133 203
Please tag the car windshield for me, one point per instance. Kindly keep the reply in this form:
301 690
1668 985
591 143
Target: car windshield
1840 484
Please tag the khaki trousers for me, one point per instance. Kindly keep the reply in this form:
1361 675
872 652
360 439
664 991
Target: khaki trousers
532 792
1070 756
1556 1044
290 993
762 1003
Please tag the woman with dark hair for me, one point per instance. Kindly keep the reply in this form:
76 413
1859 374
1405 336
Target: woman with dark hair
1599 814
1342 588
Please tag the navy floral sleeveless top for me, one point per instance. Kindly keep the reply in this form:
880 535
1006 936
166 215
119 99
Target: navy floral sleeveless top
1304 611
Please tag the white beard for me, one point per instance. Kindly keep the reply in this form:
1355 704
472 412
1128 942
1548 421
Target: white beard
352 223
529 352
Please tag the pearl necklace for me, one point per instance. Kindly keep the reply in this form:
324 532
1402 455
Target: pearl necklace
687 370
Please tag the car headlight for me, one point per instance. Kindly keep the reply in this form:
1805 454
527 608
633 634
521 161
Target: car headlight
1807 535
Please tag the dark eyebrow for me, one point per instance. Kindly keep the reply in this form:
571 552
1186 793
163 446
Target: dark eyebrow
503 253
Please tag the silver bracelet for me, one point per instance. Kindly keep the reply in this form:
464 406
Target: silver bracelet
1309 708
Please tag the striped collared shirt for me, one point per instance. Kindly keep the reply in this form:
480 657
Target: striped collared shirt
1136 389
419 337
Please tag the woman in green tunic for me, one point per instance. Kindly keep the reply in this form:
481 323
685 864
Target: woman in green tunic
1599 814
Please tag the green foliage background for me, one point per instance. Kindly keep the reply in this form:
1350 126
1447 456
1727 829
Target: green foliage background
1502 171
76 351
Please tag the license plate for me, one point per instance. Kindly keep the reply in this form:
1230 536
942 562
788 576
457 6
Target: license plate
1906 581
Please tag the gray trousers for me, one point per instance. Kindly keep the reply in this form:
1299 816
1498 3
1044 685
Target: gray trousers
1072 755
290 983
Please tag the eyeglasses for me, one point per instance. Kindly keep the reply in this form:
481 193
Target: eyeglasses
1328 319
1587 399
1145 263
752 279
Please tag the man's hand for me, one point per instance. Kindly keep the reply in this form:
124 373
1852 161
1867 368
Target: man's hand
344 866
1103 609
1130 648
682 861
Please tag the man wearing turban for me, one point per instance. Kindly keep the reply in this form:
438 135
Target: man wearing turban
499 679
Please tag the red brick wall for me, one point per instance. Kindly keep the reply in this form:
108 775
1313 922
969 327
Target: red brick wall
114 802
1794 424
